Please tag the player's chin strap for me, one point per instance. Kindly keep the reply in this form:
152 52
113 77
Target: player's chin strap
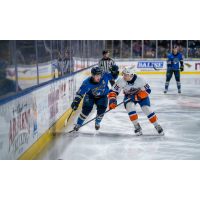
98 116
164 69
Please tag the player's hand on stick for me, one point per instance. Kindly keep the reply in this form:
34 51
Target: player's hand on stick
75 104
112 104
182 68
112 100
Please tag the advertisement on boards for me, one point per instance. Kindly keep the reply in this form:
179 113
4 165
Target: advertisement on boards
25 119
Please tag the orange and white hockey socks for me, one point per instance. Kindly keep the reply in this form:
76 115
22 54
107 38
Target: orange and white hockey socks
133 117
153 119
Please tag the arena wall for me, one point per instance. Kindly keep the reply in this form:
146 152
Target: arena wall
27 76
29 120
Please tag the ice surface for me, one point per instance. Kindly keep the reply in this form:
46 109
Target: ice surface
178 114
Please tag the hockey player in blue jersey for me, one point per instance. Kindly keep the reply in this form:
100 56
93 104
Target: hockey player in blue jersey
96 89
173 60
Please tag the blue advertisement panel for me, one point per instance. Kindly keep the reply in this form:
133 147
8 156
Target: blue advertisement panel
149 64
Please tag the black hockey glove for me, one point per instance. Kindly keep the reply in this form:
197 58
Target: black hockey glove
75 104
114 70
182 68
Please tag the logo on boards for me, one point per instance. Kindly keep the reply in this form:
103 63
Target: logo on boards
197 66
150 64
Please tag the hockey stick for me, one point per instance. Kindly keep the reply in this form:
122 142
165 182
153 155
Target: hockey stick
98 116
68 118
164 69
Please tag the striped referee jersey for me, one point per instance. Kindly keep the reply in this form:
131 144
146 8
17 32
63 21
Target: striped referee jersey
105 64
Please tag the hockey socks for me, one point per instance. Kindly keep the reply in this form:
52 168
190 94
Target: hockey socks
133 117
178 85
166 85
81 119
153 119
100 110
85 112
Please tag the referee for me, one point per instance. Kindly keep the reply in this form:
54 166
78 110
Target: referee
105 63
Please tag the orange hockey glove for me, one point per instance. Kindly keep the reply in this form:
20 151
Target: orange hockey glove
112 100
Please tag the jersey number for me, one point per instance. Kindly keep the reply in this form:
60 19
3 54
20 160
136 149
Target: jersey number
146 86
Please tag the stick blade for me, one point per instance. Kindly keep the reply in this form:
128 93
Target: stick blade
72 131
65 122
68 118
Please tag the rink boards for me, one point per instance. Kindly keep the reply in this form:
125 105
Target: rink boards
33 117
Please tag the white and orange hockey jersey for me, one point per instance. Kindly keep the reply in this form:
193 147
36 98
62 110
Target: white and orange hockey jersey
130 87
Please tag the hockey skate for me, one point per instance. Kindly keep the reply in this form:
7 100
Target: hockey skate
159 129
76 127
165 91
138 129
97 125
179 90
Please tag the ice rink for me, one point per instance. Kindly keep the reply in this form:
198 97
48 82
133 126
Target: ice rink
178 114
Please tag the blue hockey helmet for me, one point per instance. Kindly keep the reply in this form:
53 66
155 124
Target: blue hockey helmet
96 71
175 47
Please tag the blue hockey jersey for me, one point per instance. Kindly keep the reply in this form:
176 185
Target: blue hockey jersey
101 89
174 60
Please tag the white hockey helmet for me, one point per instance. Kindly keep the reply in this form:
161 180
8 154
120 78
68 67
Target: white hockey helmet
128 70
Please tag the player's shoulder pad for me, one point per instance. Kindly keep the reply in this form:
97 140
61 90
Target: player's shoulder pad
139 77
169 55
121 80
85 82
180 54
141 81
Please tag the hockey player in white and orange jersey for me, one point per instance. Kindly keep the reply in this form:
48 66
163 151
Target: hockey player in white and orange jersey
137 90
